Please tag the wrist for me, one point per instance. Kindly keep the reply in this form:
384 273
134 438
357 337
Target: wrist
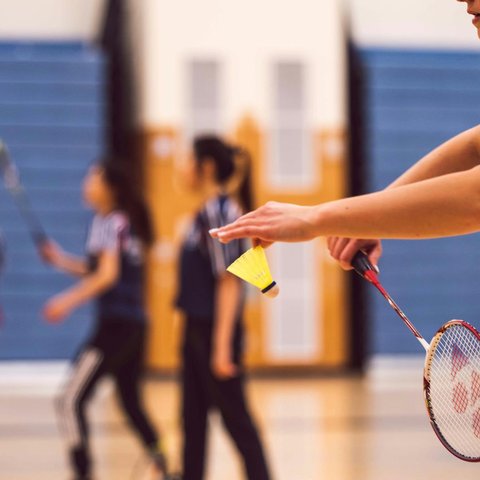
316 219
221 347
58 262
68 298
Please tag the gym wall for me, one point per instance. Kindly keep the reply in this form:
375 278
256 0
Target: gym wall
246 56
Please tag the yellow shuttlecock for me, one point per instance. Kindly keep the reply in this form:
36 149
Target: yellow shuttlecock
252 267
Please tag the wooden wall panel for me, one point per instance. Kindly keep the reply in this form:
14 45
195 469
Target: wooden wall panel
161 149
331 155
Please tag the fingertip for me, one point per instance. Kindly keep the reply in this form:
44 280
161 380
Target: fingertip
222 238
213 232
374 261
346 266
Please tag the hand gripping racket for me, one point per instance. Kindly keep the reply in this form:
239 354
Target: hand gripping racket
451 378
12 183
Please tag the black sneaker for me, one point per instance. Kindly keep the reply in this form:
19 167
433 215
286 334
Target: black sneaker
160 462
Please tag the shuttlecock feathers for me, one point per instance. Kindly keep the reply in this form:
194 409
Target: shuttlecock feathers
253 267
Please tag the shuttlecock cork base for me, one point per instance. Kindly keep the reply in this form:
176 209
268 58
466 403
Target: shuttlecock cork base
253 267
272 290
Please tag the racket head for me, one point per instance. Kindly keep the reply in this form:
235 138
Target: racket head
3 251
452 388
8 170
4 159
3 154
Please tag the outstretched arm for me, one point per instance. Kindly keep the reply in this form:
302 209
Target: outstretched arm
443 206
457 154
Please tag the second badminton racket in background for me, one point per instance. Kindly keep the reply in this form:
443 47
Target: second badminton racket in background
11 179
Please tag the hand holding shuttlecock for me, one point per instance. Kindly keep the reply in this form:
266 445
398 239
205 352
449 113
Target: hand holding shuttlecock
252 267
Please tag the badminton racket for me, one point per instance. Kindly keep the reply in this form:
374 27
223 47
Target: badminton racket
451 378
3 256
3 252
11 179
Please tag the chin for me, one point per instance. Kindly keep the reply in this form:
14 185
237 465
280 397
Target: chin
88 201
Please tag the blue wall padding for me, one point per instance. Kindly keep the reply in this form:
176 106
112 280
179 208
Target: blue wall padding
51 117
414 101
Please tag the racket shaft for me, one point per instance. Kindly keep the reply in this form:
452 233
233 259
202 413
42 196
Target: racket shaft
365 269
402 315
33 224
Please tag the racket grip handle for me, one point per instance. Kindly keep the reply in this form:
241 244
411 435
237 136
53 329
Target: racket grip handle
361 264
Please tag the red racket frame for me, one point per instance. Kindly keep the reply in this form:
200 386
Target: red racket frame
426 384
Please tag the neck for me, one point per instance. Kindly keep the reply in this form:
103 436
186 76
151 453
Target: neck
105 209
211 190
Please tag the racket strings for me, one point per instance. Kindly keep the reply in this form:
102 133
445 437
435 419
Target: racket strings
454 391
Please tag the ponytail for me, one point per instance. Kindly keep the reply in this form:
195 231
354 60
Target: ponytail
129 198
232 167
244 189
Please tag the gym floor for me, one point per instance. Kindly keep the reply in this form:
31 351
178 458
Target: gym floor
340 428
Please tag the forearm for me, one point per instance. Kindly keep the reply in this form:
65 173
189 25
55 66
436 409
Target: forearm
442 206
227 301
86 289
458 154
72 265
